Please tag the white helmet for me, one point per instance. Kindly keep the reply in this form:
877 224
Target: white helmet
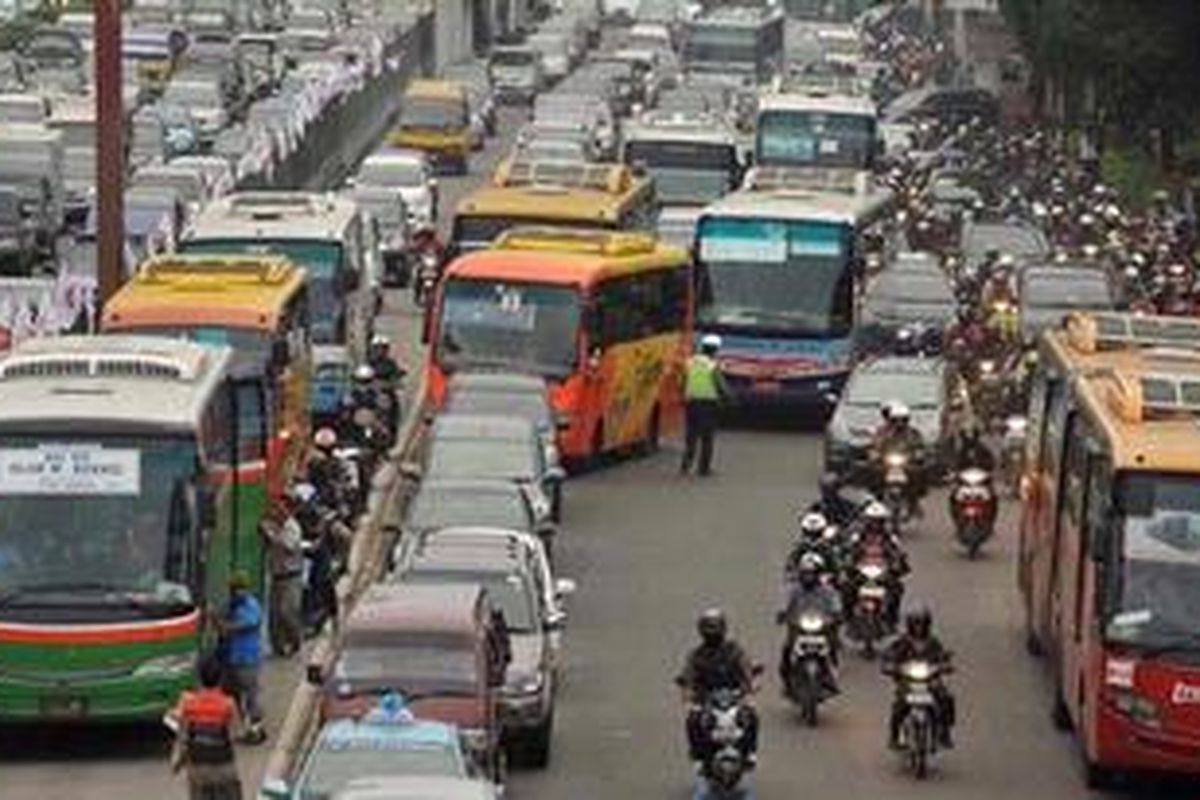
710 341
876 511
813 524
898 411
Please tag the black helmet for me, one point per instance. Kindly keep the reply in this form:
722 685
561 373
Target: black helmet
712 626
808 572
918 622
830 483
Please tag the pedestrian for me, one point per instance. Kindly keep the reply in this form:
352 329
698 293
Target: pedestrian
204 738
285 556
241 631
703 390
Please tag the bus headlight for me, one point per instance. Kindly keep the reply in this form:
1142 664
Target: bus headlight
166 666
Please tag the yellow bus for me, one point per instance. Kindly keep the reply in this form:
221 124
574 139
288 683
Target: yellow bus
258 305
603 317
1118 555
555 194
435 118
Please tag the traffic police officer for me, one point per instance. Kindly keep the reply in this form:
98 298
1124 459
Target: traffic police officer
704 387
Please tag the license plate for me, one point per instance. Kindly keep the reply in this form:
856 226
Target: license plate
64 707
766 387
811 641
919 698
897 476
873 592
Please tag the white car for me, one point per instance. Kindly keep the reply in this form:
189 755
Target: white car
410 174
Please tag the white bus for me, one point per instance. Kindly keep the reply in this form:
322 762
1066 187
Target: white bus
816 130
693 158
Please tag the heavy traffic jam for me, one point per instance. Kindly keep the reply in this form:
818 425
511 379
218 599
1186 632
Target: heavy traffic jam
413 295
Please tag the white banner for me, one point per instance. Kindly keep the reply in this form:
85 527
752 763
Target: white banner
70 469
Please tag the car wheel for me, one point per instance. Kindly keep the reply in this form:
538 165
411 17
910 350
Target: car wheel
537 746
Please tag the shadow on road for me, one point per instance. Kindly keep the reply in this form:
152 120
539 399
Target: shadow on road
62 743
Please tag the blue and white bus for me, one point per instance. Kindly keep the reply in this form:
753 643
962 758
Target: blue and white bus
777 268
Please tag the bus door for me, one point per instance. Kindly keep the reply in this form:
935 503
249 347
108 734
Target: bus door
1047 551
1073 560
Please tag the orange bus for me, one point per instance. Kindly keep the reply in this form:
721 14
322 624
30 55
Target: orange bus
604 316
1110 539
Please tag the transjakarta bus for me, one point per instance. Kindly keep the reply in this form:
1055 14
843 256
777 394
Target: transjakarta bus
1110 565
321 233
736 40
776 274
258 305
816 130
604 317
119 523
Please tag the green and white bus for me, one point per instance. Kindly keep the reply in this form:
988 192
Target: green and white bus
117 522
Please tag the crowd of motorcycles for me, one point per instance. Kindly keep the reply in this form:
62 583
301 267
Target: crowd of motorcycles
844 576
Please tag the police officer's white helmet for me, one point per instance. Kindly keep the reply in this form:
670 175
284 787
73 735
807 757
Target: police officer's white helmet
710 341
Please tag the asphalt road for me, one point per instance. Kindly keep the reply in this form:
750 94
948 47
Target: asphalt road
129 762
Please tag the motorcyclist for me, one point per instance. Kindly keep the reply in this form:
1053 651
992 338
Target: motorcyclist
717 663
362 402
816 539
388 377
896 434
872 540
836 509
326 472
918 643
810 593
972 451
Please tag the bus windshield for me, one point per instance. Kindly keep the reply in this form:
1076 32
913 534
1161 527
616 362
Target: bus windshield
93 521
815 138
692 173
1155 591
419 112
523 327
774 276
723 46
323 261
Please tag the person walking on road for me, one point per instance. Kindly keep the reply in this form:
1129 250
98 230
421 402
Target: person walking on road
241 631
204 720
285 555
703 390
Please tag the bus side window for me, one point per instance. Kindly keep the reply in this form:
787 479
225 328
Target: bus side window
1099 526
216 432
1037 420
251 423
1056 416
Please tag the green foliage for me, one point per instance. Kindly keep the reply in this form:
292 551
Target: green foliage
1132 172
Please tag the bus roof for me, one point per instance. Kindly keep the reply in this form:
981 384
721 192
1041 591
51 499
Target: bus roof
738 15
817 101
567 257
108 384
239 291
1088 342
435 89
801 206
1148 412
300 216
658 126
556 191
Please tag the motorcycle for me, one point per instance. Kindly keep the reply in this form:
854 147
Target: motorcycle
896 487
868 617
918 728
726 764
1012 453
428 268
973 509
810 663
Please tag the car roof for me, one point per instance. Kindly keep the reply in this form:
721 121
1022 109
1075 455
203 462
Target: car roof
434 607
415 787
481 426
469 485
904 365
478 561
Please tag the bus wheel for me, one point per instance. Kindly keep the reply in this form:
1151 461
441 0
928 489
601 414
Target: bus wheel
653 432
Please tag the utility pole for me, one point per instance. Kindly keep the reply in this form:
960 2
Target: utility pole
110 150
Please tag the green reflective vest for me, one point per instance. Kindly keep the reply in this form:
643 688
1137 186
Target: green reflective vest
702 379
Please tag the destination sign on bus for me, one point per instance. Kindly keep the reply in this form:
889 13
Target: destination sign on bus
70 469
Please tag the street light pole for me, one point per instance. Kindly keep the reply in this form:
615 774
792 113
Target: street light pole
110 149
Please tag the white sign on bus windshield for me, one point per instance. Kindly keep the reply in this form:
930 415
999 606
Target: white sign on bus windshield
70 469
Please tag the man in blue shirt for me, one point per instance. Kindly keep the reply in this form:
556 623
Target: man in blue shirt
241 631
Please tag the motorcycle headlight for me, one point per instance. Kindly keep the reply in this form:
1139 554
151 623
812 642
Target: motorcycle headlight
987 366
871 572
166 666
895 460
811 623
524 684
920 671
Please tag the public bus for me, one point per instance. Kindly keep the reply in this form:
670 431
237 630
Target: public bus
693 158
778 268
435 119
816 130
324 234
604 317
258 305
553 193
743 41
119 526
1109 554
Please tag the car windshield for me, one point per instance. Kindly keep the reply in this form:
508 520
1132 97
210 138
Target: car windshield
521 327
774 276
481 458
514 58
334 765
692 173
391 172
321 259
1066 291
382 205
808 138
910 289
1155 589
92 518
872 389
434 508
1012 240
423 112
509 593
412 661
